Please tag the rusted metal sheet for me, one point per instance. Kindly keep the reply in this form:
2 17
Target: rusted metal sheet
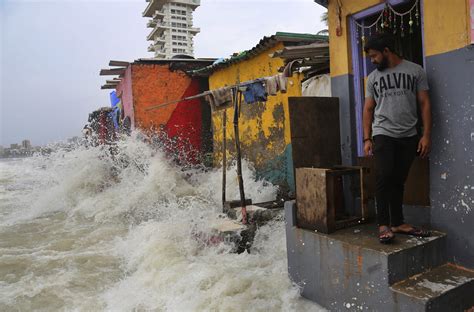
315 134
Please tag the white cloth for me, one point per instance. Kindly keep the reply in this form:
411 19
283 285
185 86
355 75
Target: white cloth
317 86
282 82
271 85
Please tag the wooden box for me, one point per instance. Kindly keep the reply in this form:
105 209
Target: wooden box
328 199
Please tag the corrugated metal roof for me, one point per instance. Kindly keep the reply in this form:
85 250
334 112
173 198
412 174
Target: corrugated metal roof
324 3
183 64
319 50
185 60
264 44
314 58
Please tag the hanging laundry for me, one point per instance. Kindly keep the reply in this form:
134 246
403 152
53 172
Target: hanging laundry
220 98
317 86
114 99
255 92
271 85
282 82
288 72
115 116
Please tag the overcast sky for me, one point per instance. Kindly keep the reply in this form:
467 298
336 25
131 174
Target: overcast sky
51 52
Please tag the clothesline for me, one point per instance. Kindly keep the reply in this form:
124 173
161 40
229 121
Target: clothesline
286 73
243 84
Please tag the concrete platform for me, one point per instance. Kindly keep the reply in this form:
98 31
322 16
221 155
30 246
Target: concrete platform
351 270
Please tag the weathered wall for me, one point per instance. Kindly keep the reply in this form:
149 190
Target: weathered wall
264 128
451 162
439 38
124 91
446 25
339 46
155 84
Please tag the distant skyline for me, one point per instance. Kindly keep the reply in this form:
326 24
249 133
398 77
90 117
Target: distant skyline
51 53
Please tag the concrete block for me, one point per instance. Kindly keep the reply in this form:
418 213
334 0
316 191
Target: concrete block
351 269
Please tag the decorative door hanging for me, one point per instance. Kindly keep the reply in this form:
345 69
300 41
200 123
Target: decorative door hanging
390 20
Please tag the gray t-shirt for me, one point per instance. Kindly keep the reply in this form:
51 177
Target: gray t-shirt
394 91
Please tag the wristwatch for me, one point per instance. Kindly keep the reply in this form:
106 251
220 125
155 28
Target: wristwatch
368 139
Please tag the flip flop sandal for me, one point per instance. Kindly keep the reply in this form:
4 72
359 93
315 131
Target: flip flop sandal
416 231
384 238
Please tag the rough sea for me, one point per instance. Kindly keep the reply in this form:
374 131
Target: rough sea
81 232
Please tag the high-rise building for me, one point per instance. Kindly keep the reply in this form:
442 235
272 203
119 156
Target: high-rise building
172 27
26 144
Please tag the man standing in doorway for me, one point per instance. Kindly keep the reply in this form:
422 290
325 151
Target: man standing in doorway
390 117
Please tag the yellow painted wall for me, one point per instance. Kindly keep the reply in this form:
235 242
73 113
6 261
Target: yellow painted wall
264 125
339 46
445 29
445 25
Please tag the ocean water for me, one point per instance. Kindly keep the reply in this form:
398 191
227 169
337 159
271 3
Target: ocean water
80 232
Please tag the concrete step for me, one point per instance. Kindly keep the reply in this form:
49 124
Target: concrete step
404 257
350 268
445 288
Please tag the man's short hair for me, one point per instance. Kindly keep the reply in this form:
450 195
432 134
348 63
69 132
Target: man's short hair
380 42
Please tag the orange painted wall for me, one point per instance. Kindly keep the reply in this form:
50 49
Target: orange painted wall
152 85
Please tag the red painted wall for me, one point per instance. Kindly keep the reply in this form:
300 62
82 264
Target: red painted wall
185 123
155 84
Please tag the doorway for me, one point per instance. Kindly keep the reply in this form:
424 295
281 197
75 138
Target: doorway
403 19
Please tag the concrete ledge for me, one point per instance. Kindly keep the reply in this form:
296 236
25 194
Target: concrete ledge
350 268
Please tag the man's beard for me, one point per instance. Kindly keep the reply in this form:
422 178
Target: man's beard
382 65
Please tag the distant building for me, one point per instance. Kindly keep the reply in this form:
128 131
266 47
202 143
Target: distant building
172 24
26 144
148 82
14 146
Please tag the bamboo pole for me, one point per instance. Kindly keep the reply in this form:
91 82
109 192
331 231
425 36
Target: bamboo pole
237 99
224 155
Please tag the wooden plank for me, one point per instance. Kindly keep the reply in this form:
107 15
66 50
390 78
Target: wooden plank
320 204
113 71
315 134
119 63
311 199
335 202
112 82
108 86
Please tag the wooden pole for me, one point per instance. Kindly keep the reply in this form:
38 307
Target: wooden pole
237 99
224 155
